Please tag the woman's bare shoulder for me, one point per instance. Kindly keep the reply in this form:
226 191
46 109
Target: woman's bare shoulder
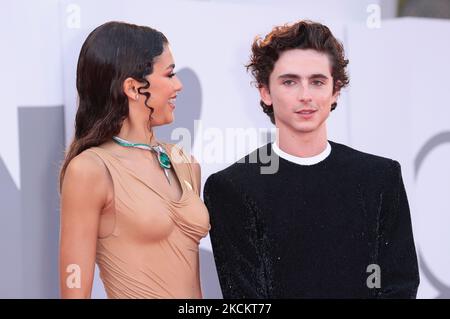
87 170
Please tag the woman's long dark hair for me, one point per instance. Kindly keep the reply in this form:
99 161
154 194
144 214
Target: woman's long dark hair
111 53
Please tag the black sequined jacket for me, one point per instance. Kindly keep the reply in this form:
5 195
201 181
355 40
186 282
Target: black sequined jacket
340 228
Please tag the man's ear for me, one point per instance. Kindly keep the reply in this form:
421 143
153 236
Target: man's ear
130 88
335 96
264 92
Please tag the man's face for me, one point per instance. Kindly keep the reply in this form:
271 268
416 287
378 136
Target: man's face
300 90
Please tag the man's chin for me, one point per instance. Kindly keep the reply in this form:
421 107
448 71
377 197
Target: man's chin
304 129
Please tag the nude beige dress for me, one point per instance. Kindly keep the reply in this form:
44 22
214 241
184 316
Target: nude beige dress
153 251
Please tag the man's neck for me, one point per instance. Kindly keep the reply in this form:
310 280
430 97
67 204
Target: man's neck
302 144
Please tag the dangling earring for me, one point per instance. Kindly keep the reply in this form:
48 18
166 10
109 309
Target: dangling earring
137 97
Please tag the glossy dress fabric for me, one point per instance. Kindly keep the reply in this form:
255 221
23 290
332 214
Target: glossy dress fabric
312 231
153 251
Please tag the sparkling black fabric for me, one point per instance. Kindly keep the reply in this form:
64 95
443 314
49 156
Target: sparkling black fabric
312 231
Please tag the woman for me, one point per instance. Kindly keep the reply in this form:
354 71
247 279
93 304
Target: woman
128 202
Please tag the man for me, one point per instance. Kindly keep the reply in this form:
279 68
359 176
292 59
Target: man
330 221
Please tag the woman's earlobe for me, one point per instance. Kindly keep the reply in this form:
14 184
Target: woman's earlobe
129 88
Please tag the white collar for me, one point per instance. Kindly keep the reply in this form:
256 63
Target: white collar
302 160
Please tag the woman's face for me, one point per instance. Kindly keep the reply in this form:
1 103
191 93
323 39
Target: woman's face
164 87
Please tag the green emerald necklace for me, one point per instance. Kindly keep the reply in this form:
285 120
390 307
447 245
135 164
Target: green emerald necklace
163 158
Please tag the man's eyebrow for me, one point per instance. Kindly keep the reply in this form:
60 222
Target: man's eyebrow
296 76
318 76
172 66
289 76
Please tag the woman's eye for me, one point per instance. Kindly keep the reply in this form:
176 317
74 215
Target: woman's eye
171 75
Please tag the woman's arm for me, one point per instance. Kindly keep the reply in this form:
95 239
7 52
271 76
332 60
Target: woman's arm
84 193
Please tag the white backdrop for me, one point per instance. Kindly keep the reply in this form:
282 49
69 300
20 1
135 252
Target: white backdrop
30 148
395 107
400 109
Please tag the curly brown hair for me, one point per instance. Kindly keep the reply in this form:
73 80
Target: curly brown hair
301 35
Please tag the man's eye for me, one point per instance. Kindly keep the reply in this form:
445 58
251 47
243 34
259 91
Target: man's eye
318 83
171 75
288 82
